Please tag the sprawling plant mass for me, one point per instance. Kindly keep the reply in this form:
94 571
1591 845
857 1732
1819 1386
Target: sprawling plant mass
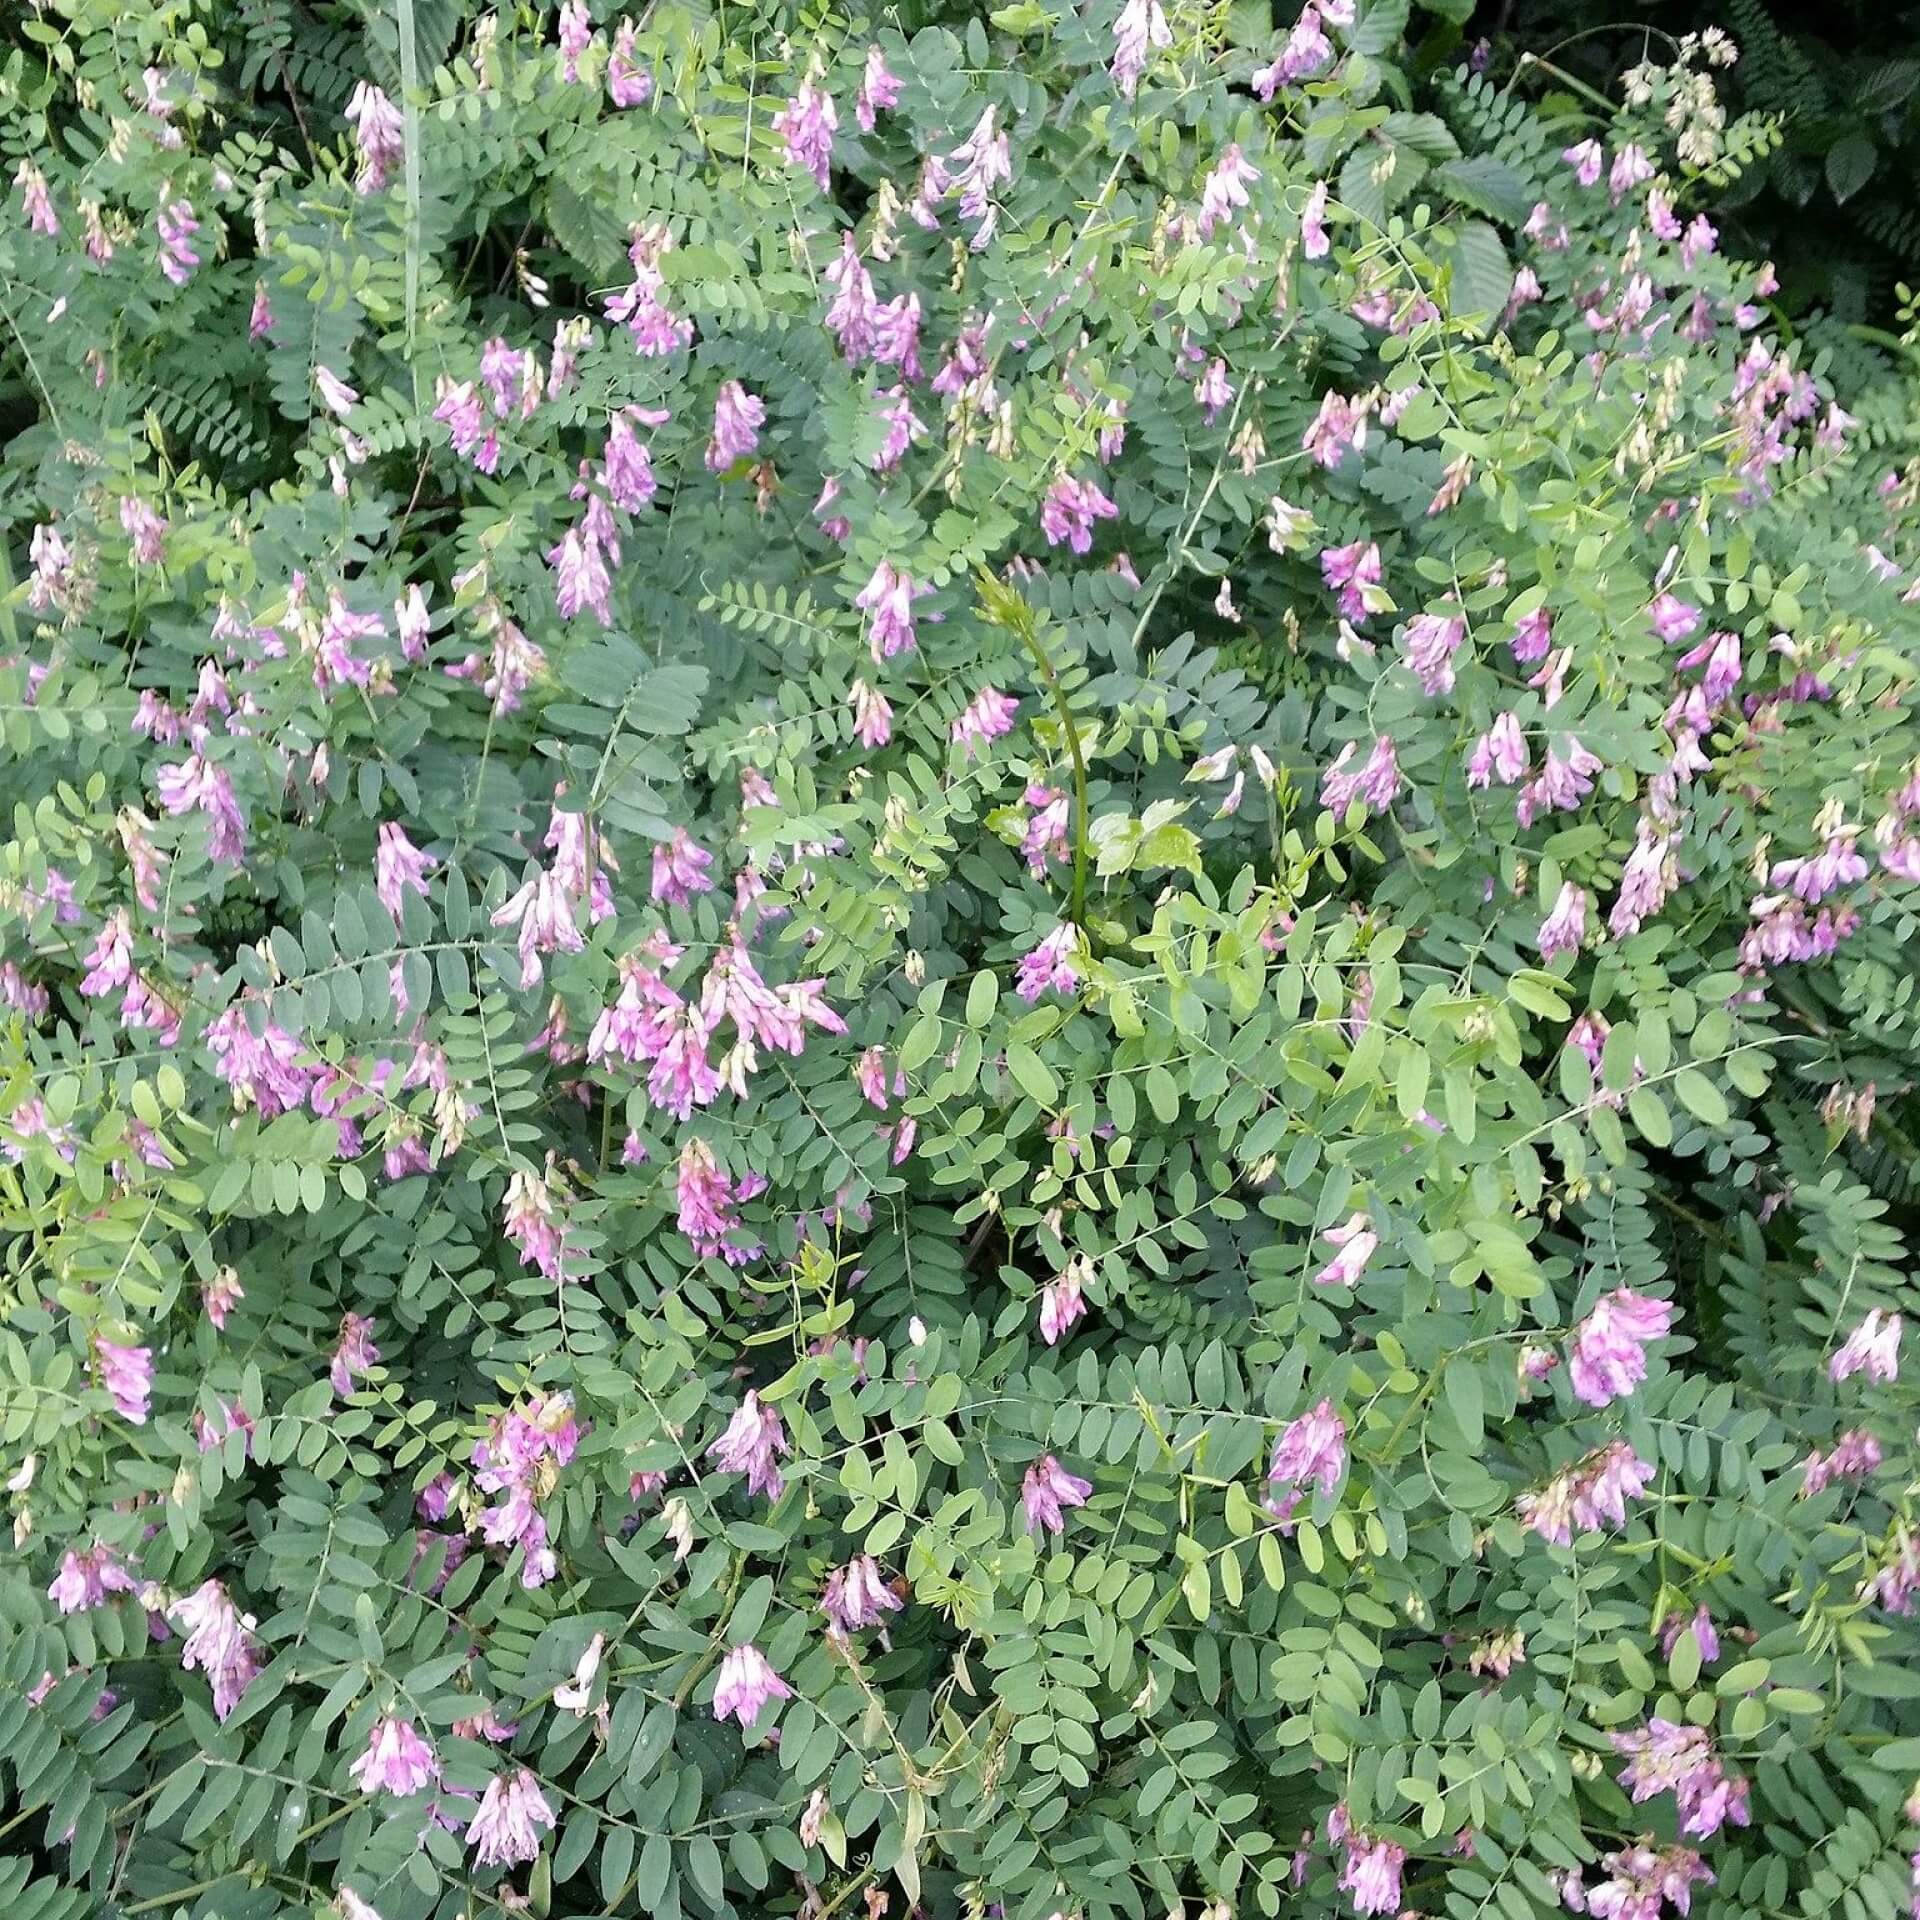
958 967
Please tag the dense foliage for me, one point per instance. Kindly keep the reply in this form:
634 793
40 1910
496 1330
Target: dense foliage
961 969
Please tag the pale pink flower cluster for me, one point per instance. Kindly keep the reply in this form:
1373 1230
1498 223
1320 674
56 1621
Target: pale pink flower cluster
1668 1757
1048 1491
1311 1452
1607 1359
519 1460
752 1444
1591 1493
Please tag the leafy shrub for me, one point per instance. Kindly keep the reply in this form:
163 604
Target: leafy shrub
941 971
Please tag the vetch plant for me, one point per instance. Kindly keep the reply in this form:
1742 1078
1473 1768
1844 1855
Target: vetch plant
951 964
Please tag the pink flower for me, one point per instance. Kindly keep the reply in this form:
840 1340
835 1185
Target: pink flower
1641 1879
543 910
1499 754
888 597
1354 570
752 1443
1339 425
1070 510
397 1760
1673 619
1372 1874
576 36
126 1372
1377 783
1532 636
146 529
807 124
1306 52
1873 1346
680 869
34 199
1700 1625
398 866
1594 1489
1049 965
1667 1757
1565 927
109 960
987 717
1608 1359
706 1198
872 716
355 1355
1431 641
1225 189
1048 1491
747 1682
628 83
531 1222
1061 1305
1314 242
219 1643
581 578
177 226
1855 1455
1141 27
1586 160
857 1596
505 1829
738 417
1311 1452
86 1577
879 90
1213 391
379 136
1631 168
1357 1242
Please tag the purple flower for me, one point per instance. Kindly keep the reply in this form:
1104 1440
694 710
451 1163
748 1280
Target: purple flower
1855 1455
1565 927
1062 1304
857 1596
1673 619
126 1372
1700 1625
1354 572
988 716
879 90
1667 1757
177 226
1431 641
807 123
1499 754
628 83
379 136
356 1354
398 865
1595 1489
581 578
218 1643
86 1577
1050 964
1631 168
1225 189
1142 26
397 1760
888 597
738 417
1306 52
1213 391
1356 1241
34 198
1372 1874
1586 159
1873 1347
1377 783
1070 510
505 1829
680 869
1314 242
747 1682
1607 1359
576 36
1048 1491
752 1443
1311 1452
